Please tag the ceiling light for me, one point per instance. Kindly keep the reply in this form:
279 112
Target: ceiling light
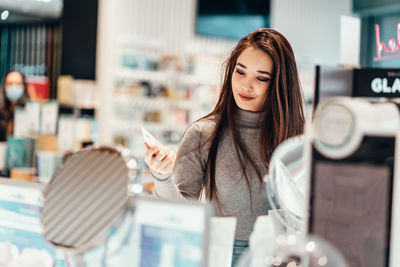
4 14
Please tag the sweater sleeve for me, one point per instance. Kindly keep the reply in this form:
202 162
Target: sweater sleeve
187 177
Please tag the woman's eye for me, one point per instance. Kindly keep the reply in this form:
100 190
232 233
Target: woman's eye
263 79
239 72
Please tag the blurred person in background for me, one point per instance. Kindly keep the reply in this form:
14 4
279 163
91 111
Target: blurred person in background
14 93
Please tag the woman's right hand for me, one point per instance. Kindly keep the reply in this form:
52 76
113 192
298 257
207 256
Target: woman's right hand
160 159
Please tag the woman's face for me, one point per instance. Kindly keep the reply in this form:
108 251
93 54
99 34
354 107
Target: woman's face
251 78
14 86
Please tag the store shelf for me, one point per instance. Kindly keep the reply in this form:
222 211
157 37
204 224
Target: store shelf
153 127
166 77
91 107
133 107
191 79
155 103
143 75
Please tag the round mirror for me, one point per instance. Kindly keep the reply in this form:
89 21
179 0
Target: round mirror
85 196
286 184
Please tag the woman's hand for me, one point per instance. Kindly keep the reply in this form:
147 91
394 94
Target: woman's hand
160 159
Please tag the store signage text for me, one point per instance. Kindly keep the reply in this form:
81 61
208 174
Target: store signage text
380 85
392 49
376 82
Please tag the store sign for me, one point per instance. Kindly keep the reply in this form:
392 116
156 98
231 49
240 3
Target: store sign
392 50
376 83
379 85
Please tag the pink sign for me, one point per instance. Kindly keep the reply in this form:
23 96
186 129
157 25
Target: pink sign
392 50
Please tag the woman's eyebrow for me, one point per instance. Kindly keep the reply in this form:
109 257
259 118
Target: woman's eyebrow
260 71
264 72
241 65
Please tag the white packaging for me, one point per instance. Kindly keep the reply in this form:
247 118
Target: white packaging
222 234
49 118
20 125
66 133
33 116
262 236
3 155
83 130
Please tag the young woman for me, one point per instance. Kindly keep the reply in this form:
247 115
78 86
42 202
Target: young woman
14 93
224 155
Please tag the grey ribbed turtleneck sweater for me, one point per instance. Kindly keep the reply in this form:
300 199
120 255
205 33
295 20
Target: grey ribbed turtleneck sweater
187 177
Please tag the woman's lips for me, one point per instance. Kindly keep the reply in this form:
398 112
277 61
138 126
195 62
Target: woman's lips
245 98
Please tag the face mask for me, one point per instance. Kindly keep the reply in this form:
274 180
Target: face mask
14 92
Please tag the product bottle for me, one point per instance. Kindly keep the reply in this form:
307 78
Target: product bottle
5 254
261 240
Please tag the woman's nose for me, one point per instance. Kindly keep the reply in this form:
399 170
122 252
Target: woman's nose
247 86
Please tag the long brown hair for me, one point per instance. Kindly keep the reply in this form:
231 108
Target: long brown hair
283 106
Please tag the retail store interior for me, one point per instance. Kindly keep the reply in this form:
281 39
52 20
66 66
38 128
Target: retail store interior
89 88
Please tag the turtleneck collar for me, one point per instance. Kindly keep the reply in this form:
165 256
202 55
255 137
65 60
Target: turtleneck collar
249 119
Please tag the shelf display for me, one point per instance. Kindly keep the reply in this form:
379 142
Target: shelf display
354 193
166 233
172 233
159 91
49 130
22 242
